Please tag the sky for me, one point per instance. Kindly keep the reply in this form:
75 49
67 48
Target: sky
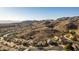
36 13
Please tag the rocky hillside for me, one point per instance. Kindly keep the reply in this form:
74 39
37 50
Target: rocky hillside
61 34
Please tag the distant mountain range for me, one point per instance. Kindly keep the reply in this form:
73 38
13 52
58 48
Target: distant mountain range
8 21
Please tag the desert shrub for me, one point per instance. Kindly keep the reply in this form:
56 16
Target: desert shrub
21 48
53 43
72 26
50 25
25 44
69 47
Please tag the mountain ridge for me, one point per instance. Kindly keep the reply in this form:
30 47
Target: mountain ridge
20 36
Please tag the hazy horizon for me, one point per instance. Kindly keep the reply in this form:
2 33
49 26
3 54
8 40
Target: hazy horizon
17 14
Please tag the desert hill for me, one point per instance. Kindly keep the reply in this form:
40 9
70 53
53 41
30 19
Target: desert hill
20 36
